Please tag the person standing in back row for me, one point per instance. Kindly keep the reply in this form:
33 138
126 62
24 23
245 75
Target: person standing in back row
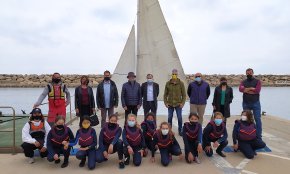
174 98
223 97
84 99
107 97
198 91
251 88
150 92
131 96
58 98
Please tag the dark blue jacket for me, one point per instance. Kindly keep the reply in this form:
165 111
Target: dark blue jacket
94 134
131 94
186 141
115 140
237 129
198 93
208 129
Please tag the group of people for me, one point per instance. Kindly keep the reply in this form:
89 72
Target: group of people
53 138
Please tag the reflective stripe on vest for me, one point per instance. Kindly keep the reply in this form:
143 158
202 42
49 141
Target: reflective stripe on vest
58 139
163 143
56 92
109 135
86 139
192 134
247 133
216 134
150 132
134 138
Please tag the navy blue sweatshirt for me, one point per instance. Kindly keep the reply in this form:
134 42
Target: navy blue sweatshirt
115 140
208 129
155 142
50 144
94 135
185 138
125 141
144 128
237 128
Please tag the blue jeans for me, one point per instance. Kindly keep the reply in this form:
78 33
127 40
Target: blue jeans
256 107
179 116
91 153
165 154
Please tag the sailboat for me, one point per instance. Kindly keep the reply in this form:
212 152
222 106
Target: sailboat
152 50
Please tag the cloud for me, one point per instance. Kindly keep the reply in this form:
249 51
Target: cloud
211 36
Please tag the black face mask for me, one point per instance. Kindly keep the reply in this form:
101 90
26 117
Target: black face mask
249 77
112 124
60 126
224 83
37 117
107 78
193 123
56 80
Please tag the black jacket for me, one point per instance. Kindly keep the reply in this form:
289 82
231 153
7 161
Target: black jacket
100 96
144 93
78 97
228 99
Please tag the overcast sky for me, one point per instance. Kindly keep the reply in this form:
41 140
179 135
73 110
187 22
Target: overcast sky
88 36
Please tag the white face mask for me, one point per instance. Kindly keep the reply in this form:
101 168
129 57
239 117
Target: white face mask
244 118
164 131
36 123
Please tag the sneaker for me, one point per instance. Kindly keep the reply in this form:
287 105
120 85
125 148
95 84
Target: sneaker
64 165
196 159
127 160
121 165
30 160
82 163
57 161
221 153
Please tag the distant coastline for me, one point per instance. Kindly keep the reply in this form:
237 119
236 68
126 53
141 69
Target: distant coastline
73 80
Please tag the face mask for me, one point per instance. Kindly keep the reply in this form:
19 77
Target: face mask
198 79
164 131
107 78
249 77
60 126
132 80
112 124
131 123
218 121
36 123
37 117
150 81
193 122
244 118
224 83
85 126
56 80
150 121
174 76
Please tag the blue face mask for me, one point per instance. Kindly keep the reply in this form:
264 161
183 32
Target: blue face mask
198 79
150 121
150 81
218 121
131 123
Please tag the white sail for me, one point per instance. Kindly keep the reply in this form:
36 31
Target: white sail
156 52
127 63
